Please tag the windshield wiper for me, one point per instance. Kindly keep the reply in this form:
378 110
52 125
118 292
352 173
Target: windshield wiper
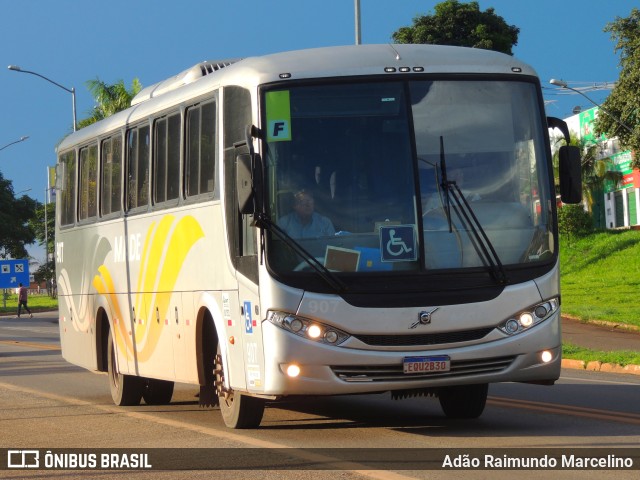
470 222
444 183
263 221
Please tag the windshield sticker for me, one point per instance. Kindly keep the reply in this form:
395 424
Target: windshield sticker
371 260
398 243
278 116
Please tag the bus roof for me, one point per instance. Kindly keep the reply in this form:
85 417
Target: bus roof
372 59
325 62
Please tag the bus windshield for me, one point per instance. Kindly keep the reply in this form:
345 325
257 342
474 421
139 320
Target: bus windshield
356 175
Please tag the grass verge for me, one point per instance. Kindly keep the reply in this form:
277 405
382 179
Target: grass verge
620 357
37 303
600 276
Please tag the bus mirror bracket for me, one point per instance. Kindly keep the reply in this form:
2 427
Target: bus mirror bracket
553 122
570 174
249 174
244 184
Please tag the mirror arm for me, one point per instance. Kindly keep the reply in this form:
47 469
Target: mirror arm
561 125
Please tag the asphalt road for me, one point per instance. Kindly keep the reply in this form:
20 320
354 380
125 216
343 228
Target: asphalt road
47 403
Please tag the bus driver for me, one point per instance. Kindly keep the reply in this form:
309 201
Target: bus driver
304 222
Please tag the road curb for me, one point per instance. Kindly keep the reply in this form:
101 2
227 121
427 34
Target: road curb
596 366
604 323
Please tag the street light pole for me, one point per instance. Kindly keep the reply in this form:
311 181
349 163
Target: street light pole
21 139
356 6
46 228
563 84
71 90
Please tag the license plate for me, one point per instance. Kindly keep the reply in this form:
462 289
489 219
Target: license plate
415 365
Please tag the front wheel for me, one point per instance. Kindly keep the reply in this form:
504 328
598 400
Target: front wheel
157 392
463 401
125 389
238 410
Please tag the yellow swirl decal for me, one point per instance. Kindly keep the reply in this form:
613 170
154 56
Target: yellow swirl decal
166 247
103 283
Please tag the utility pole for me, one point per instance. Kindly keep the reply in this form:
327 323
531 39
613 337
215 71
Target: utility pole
357 17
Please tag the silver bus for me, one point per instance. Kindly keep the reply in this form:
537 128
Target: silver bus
343 220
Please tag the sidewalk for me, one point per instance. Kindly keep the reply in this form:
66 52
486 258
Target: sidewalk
605 337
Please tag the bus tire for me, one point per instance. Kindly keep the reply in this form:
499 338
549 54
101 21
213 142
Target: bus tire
157 392
125 389
463 401
238 410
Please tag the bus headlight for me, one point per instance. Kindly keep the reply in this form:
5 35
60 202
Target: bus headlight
306 328
528 318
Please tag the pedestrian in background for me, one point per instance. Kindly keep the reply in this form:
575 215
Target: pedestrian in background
23 294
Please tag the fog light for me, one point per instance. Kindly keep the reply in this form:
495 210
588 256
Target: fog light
314 331
526 320
293 370
546 356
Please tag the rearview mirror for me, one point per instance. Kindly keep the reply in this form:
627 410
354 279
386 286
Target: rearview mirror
570 174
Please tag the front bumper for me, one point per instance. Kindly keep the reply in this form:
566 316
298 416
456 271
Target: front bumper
330 370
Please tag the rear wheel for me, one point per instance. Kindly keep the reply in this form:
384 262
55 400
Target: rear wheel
238 410
157 392
125 389
463 401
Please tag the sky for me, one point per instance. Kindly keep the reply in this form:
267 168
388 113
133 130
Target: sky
73 41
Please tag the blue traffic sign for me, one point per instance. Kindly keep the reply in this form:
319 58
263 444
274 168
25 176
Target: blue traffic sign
14 272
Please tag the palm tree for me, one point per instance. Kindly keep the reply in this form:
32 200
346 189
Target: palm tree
109 99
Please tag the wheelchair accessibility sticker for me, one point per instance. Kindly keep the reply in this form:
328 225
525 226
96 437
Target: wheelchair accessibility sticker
398 243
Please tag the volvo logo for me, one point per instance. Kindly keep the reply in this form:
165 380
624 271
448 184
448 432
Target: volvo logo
424 318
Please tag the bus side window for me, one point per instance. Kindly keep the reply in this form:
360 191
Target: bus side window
88 201
110 186
200 150
68 188
166 158
241 233
137 167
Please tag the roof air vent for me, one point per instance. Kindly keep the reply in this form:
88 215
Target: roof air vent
184 78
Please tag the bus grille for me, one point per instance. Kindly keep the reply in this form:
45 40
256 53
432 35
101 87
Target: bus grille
394 373
424 338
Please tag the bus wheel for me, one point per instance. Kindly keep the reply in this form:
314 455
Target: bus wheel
238 410
157 392
125 389
463 401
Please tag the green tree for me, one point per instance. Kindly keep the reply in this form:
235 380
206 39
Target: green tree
624 102
46 272
109 99
15 232
461 24
37 223
573 221
595 174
